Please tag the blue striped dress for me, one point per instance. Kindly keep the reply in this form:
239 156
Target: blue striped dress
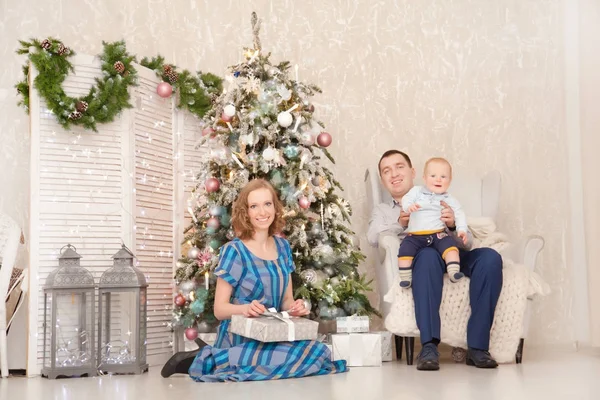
236 358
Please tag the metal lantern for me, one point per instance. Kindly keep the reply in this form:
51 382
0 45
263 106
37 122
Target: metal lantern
122 315
69 306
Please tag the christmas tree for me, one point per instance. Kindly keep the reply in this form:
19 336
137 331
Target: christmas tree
262 126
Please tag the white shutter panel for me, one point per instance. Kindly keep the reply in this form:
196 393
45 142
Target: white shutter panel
76 196
96 190
192 160
154 205
189 158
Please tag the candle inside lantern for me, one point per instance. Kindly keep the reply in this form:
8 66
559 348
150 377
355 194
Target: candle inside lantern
206 280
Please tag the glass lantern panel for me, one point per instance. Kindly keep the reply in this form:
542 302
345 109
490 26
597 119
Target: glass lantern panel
73 339
47 332
119 328
143 325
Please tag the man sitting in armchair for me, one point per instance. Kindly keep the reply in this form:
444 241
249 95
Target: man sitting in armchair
483 266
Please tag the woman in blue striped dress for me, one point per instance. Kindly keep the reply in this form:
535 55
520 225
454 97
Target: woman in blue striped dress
254 274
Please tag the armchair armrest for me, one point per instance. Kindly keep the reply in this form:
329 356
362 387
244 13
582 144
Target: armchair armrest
388 254
526 250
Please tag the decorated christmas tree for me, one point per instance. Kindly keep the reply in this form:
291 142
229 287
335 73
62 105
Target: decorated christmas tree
263 126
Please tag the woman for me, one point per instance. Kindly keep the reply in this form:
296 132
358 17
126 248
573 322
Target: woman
254 274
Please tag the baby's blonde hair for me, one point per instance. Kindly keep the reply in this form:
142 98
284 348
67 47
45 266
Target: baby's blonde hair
438 160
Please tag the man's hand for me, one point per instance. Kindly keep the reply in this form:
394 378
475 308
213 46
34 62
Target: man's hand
403 219
447 215
463 236
413 208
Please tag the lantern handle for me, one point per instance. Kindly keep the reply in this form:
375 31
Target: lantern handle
68 246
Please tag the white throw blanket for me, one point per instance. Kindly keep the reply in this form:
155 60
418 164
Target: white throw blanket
518 284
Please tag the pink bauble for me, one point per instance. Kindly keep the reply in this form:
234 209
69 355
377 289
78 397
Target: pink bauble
212 185
191 333
213 222
226 118
303 202
164 90
207 131
324 139
179 300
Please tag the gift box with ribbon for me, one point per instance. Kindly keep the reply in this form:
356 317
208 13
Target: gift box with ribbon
273 326
352 324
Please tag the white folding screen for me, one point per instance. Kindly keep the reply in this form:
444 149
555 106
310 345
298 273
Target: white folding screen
125 183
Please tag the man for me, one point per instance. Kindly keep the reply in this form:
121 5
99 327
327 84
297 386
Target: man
483 266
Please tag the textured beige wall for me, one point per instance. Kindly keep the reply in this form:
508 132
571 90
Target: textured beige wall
590 143
479 82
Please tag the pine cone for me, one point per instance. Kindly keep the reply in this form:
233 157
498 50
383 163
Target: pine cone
167 68
119 67
81 106
46 44
172 77
63 50
75 115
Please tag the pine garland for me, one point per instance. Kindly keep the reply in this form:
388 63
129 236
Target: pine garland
195 93
109 96
104 101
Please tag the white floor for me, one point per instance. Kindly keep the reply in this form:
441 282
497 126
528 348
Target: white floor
542 376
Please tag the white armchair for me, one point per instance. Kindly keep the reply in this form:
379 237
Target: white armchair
479 198
9 245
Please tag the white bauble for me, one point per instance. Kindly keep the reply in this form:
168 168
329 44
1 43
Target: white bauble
285 119
229 110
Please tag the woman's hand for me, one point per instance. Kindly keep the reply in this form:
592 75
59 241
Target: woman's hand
254 309
298 309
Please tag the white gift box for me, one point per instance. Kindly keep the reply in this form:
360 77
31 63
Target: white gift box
353 324
358 349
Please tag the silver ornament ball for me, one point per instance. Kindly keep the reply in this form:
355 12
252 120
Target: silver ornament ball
193 252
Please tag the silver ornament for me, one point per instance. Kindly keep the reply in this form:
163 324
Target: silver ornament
329 271
309 276
193 252
204 327
216 211
307 139
338 312
316 230
187 286
335 281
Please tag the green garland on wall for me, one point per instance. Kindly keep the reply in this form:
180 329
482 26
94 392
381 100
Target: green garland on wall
192 90
109 96
104 101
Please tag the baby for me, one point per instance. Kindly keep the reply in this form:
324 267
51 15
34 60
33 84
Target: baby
425 227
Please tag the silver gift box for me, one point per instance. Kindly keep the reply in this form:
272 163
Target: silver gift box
352 324
273 329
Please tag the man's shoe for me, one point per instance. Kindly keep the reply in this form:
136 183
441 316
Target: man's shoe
480 359
429 358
